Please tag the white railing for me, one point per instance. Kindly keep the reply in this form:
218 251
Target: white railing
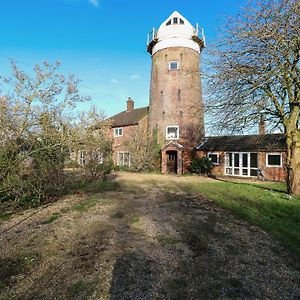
199 32
151 36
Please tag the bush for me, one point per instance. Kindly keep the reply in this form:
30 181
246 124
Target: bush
33 174
201 165
94 170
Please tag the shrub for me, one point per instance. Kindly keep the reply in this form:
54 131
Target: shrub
94 170
201 165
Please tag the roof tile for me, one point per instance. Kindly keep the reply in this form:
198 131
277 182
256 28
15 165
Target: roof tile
267 142
126 118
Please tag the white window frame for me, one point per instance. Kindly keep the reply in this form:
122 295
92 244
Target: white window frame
214 153
173 61
121 164
172 126
82 157
96 154
274 166
240 167
117 131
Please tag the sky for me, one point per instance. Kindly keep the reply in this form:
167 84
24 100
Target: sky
102 42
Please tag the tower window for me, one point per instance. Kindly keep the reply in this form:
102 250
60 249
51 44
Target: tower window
175 21
179 94
173 65
172 132
168 23
181 21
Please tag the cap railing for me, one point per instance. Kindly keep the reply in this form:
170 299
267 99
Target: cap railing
151 36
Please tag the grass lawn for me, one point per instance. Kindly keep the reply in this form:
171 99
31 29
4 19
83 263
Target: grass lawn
263 204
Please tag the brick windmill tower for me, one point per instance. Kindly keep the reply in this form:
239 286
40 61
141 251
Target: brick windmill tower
175 108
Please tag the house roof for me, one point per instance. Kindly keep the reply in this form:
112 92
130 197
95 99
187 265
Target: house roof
177 145
267 142
131 117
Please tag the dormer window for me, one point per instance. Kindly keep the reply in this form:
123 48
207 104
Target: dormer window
175 21
173 65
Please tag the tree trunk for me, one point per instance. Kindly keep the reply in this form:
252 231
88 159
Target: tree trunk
293 163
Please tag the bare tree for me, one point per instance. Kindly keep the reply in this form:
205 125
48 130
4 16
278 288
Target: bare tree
256 71
144 150
34 131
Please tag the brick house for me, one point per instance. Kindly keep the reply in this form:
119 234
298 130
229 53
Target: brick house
175 112
260 156
124 126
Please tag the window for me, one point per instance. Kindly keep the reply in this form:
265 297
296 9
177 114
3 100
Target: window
175 21
82 157
173 65
172 132
118 132
273 160
214 158
123 159
97 156
241 164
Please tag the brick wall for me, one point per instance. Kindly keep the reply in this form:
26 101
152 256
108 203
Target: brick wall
269 173
121 143
176 95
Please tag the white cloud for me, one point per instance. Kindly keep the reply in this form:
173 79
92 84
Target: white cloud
114 81
94 3
135 76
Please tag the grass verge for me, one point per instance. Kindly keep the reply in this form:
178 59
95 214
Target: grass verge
264 205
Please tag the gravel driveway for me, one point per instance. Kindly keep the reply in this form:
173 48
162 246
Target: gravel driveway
145 240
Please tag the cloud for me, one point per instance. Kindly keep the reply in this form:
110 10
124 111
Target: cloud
114 81
135 76
94 3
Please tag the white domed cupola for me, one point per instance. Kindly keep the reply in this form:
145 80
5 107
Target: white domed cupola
175 31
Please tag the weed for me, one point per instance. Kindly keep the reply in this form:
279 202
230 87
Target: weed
80 290
135 220
86 205
167 240
53 218
5 215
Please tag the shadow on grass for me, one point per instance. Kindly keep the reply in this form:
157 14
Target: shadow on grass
269 186
266 208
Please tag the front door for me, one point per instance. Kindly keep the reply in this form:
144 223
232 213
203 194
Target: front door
172 162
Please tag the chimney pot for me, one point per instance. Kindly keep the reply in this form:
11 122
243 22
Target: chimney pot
130 104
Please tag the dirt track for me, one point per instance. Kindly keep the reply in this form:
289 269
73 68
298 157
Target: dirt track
142 241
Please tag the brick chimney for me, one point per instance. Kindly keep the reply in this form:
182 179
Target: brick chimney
130 104
262 125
